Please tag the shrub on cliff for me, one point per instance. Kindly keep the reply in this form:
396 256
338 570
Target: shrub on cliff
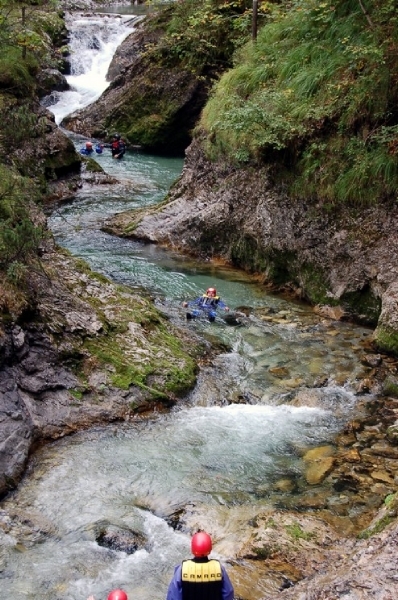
316 97
202 34
27 32
20 237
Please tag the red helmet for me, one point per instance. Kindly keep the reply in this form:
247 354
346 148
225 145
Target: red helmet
211 292
201 544
89 145
117 595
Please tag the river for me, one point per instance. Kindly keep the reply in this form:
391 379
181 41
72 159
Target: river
221 454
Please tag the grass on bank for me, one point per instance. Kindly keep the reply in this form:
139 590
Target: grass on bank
27 34
20 236
316 97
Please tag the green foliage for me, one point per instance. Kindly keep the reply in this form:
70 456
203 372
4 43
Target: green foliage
18 124
16 75
203 34
298 533
317 93
377 528
26 31
19 236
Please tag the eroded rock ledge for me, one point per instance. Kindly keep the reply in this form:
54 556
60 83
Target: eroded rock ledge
88 352
346 258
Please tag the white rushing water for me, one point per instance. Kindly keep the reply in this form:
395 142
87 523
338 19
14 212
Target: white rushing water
209 459
93 42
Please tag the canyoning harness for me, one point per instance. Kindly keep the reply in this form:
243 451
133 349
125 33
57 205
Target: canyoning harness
206 305
208 301
201 579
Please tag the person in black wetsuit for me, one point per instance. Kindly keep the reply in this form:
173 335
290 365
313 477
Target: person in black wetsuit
118 146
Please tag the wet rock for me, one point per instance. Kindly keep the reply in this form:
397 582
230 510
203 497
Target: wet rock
382 476
392 433
245 310
285 485
347 482
336 313
118 537
318 453
390 386
367 570
26 528
50 80
318 470
384 449
121 540
371 360
279 371
290 539
349 456
175 519
307 397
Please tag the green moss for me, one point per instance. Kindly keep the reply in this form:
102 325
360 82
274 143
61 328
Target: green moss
377 528
386 339
390 387
83 267
245 253
181 380
298 533
314 283
92 166
266 551
390 499
271 523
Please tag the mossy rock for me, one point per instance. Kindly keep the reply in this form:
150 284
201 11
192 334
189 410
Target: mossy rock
386 339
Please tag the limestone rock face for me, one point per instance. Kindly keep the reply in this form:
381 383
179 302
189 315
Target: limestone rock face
347 259
367 571
52 381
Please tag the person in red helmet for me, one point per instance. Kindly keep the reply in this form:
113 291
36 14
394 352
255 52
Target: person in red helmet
114 595
87 149
200 578
206 304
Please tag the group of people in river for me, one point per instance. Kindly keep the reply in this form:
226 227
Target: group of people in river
117 146
198 578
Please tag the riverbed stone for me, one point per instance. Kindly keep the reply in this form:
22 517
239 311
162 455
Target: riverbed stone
120 538
382 476
318 453
318 469
392 433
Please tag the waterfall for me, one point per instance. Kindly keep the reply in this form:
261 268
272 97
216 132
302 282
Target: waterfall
93 41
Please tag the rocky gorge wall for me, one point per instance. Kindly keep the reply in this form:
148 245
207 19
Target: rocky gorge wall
85 352
347 258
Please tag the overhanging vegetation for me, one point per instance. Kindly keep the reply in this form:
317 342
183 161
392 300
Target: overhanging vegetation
316 96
